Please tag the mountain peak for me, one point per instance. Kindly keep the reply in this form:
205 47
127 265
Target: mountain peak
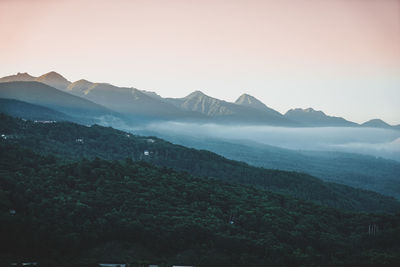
305 110
310 110
376 123
20 76
246 99
308 113
250 101
54 79
246 95
52 75
81 83
196 94
151 94
312 117
24 74
78 87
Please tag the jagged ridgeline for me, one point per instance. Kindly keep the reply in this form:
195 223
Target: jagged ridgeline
83 212
93 99
71 141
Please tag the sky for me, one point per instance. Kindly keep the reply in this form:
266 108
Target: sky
339 56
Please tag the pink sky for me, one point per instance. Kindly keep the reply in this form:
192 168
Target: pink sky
341 56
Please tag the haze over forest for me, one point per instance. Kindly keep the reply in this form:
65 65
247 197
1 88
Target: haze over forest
371 141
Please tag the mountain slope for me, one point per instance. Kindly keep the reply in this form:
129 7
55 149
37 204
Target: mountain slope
376 123
79 87
222 111
44 95
29 111
19 77
55 80
250 101
199 102
129 101
52 79
126 100
107 143
311 117
152 94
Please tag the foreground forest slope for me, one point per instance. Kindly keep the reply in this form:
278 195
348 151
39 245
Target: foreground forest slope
73 141
85 212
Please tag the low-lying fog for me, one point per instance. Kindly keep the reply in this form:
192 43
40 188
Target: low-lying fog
372 141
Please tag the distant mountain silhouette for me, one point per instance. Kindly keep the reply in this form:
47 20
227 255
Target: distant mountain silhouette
44 95
251 101
126 100
199 102
196 106
311 117
19 77
52 79
79 87
152 94
376 123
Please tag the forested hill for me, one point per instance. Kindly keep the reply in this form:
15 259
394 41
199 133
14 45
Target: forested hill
72 141
65 214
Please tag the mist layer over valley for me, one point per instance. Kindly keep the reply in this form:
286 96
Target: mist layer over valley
366 158
371 141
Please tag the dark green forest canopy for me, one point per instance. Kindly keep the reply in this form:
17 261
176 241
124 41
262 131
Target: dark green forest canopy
73 142
69 212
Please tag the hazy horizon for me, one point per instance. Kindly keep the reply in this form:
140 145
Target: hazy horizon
341 57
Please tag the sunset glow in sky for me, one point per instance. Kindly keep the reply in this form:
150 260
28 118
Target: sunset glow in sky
339 56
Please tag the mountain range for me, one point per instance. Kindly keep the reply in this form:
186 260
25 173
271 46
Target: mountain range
104 98
222 111
313 117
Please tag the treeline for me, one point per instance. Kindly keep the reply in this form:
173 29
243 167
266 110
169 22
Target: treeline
92 210
73 142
